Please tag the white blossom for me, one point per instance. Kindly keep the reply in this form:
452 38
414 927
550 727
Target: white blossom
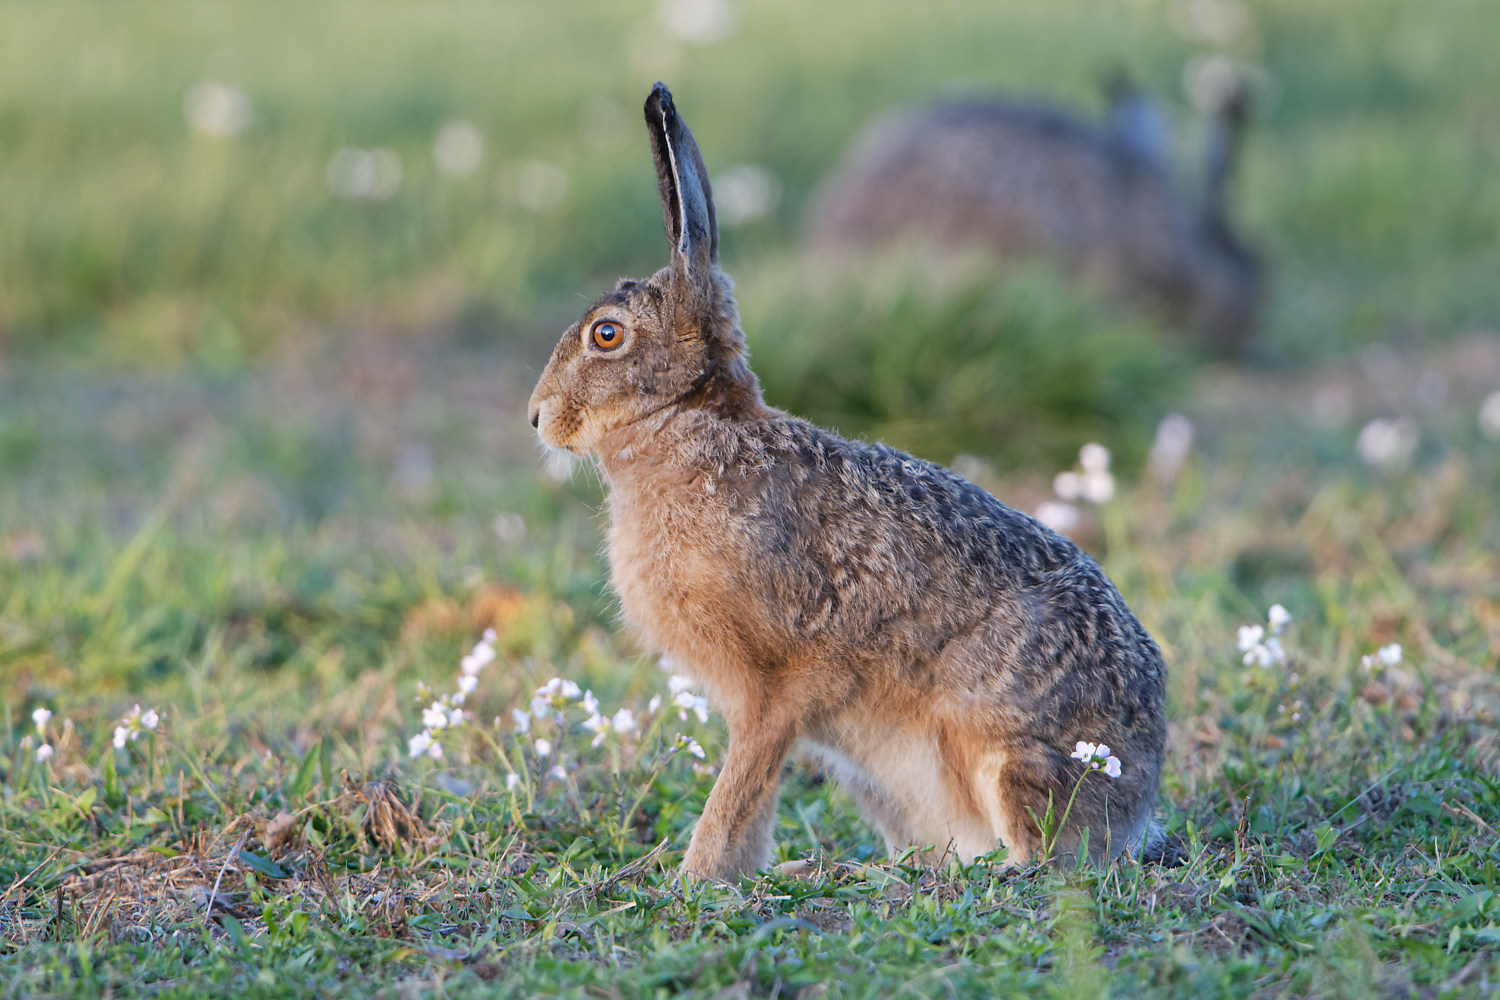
512 780
1489 416
458 149
624 721
41 717
468 683
217 109
1388 444
1279 618
1061 517
1250 636
1385 656
1170 449
480 657
690 745
419 744
542 747
1098 757
44 752
522 719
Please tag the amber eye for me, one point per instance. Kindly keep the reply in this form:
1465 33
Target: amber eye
607 336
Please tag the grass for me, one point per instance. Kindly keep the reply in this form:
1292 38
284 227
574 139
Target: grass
256 565
263 470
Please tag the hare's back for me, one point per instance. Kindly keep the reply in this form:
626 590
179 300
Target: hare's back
1014 178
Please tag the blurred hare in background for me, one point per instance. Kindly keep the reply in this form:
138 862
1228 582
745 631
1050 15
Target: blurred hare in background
1025 179
944 655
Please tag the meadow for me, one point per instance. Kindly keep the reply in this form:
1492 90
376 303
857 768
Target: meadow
265 482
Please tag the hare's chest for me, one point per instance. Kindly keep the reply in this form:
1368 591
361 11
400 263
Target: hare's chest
667 565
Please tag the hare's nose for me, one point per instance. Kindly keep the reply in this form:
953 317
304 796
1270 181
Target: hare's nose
536 416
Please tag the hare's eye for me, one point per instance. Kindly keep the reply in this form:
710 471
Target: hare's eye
607 336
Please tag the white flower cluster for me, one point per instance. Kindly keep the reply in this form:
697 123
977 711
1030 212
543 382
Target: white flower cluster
1261 644
445 714
1098 758
684 699
133 723
1091 481
1385 656
41 717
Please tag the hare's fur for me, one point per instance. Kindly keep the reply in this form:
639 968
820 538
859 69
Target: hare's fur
940 652
1024 179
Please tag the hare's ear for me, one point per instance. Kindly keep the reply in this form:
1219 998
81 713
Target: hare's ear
687 203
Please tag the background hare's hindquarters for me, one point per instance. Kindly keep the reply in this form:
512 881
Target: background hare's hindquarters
942 653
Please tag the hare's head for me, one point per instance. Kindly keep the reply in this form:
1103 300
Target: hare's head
672 340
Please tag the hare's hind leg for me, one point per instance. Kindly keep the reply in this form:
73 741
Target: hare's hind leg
733 836
1014 799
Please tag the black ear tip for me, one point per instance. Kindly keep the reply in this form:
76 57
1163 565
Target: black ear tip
660 100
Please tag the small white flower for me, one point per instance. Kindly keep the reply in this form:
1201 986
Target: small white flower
1068 485
149 718
1388 444
523 720
121 736
653 704
743 192
557 773
1101 751
455 716
688 702
435 716
1112 767
690 745
435 751
599 726
542 747
217 109
1279 617
458 149
678 683
480 657
1094 457
624 721
1390 655
1061 517
1084 751
374 174
590 703
569 690
512 780
1250 637
419 744
1174 440
44 752
1489 416
468 683
541 706
41 717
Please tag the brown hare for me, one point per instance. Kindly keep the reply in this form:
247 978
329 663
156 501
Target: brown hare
941 653
1023 179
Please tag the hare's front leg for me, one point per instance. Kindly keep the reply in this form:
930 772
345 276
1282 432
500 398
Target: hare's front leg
733 836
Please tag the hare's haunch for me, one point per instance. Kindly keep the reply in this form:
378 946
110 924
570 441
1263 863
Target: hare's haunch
940 652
